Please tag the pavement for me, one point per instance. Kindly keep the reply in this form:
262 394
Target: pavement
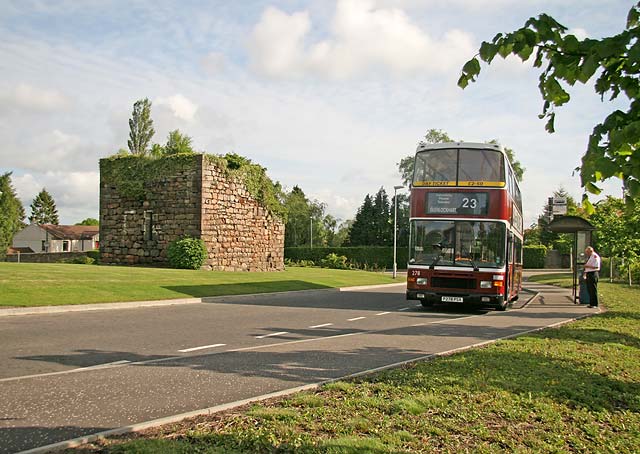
67 375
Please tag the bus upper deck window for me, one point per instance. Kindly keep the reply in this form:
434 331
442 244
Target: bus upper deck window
481 168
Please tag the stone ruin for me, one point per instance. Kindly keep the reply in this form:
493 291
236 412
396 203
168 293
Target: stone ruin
197 198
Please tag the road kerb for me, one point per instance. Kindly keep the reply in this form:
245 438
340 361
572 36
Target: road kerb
41 310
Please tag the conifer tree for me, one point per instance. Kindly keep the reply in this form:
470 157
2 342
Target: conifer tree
11 220
43 209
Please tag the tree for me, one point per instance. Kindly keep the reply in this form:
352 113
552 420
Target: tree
12 211
617 228
89 221
177 143
614 62
382 220
140 127
304 218
405 166
403 219
360 233
43 209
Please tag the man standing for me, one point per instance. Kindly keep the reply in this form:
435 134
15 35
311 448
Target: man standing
591 269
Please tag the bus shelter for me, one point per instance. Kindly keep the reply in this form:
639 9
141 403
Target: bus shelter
581 230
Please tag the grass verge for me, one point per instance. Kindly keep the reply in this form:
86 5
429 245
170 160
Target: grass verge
34 284
575 388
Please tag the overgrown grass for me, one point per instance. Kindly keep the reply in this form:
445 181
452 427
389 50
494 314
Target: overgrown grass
570 389
34 284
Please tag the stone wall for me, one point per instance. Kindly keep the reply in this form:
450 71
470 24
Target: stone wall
240 234
45 257
195 198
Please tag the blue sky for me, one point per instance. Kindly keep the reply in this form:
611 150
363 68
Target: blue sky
328 95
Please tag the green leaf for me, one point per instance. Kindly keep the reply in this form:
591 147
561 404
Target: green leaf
592 188
633 188
588 68
472 67
549 126
505 49
488 51
525 52
463 81
587 205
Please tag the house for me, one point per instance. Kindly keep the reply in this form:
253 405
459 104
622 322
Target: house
57 238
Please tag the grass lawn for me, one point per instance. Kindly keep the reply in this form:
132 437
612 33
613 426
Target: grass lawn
575 388
34 284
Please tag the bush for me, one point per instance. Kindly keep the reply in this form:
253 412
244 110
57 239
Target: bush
187 253
95 255
361 257
337 262
533 256
83 261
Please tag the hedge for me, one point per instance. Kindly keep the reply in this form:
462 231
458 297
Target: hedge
360 256
533 256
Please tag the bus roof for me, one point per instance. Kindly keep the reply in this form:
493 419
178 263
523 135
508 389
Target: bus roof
422 146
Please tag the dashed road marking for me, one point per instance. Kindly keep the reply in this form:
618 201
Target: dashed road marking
354 319
193 349
273 334
383 313
321 326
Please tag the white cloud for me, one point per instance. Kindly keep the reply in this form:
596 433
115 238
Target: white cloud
180 105
33 99
363 38
579 33
75 193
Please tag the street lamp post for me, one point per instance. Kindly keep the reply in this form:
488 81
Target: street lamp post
311 232
395 228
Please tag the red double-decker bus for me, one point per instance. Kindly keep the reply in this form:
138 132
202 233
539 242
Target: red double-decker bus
466 226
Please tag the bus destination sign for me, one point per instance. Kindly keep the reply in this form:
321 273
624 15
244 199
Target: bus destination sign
474 203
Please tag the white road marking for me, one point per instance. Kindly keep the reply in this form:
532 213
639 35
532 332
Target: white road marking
272 334
383 313
404 309
321 326
98 366
354 319
193 349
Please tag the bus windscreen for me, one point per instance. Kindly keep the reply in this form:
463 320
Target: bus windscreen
458 243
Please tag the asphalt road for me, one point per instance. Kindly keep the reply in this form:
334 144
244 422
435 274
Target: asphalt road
72 374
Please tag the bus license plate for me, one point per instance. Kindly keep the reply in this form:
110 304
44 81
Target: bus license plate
452 299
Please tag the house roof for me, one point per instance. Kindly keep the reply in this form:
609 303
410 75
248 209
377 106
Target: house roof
71 232
22 250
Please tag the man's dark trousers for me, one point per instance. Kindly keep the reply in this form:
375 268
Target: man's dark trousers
592 287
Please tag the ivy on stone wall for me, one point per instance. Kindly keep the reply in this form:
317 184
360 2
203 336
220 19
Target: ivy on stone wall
131 173
255 179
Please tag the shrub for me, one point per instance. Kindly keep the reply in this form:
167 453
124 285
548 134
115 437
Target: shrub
83 261
361 257
534 255
335 261
187 253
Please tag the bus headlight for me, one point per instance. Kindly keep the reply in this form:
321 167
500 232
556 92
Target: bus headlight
486 284
421 281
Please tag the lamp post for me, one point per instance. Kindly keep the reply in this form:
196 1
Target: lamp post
395 227
311 232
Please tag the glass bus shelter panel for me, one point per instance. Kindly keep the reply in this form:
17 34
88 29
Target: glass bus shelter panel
436 168
481 168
